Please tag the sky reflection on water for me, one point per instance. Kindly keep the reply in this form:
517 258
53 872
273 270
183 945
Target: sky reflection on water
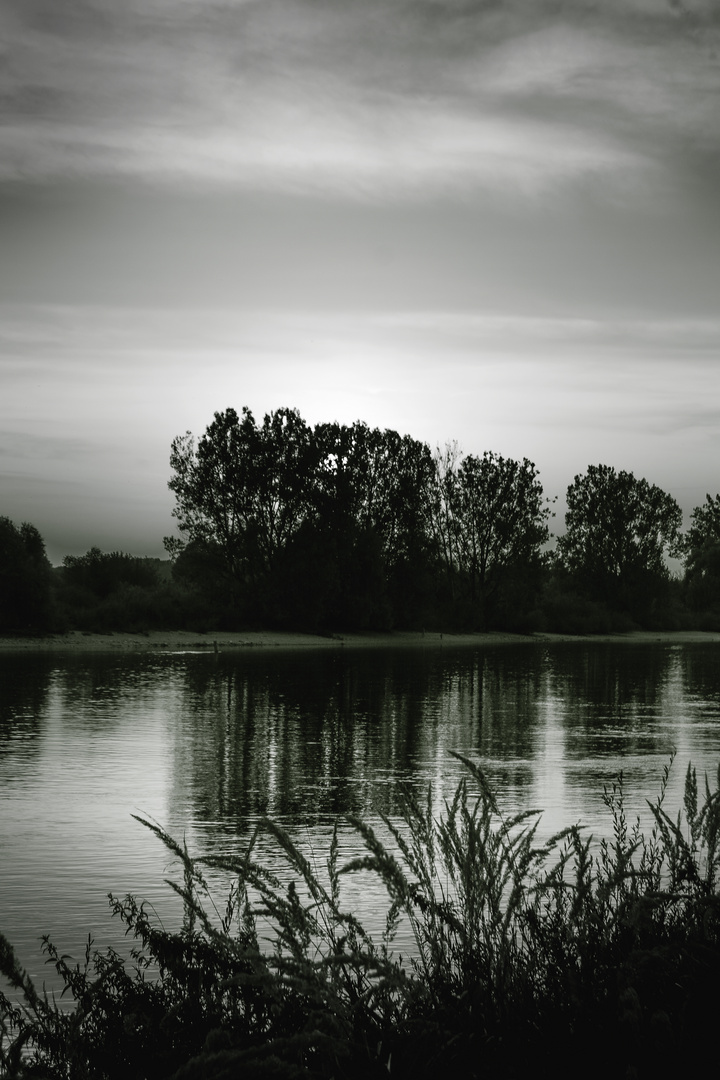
206 745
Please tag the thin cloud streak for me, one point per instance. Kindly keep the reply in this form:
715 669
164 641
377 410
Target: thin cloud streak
363 99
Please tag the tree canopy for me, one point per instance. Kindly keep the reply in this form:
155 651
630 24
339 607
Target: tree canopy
242 490
490 520
348 527
618 530
343 526
345 523
701 550
25 599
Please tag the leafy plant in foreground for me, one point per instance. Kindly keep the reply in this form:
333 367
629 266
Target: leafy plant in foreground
523 951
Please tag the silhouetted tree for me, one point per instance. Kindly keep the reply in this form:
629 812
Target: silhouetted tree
316 527
443 525
371 499
347 525
492 524
701 551
409 550
243 491
344 549
349 479
618 531
25 578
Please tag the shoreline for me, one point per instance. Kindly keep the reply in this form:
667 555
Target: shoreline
179 641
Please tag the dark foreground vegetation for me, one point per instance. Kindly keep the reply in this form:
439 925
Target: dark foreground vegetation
337 527
568 958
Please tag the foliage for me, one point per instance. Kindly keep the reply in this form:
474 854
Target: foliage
107 591
701 550
360 562
490 522
25 579
344 526
347 527
373 480
617 531
302 527
526 954
242 491
102 573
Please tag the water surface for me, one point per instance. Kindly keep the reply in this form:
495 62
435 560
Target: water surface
207 744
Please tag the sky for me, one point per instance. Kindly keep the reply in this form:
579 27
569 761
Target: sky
496 223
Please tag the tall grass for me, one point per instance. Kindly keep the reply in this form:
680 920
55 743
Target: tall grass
526 954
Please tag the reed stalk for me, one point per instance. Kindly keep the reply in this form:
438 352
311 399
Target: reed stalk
526 952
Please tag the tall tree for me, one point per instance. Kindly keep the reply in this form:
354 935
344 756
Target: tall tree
408 547
618 531
701 552
367 513
243 492
349 477
442 518
501 523
25 578
490 522
378 480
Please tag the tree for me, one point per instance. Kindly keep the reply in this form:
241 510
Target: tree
25 578
490 523
409 555
618 530
243 491
701 552
377 480
371 505
443 525
315 527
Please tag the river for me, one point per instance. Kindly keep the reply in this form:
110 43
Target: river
206 744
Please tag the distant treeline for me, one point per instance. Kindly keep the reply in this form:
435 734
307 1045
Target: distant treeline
338 527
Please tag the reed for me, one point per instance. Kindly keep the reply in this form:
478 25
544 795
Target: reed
526 954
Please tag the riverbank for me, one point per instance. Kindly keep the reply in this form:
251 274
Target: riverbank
227 641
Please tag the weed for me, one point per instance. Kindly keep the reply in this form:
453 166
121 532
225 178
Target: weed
525 953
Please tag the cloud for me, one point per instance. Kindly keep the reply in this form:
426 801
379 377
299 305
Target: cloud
102 374
364 98
93 396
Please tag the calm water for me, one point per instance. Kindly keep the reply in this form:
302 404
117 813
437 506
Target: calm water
205 745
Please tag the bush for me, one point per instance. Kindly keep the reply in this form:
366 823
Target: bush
527 954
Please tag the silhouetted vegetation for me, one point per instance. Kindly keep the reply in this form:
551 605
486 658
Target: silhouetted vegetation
337 528
701 548
617 532
112 591
341 527
556 959
25 579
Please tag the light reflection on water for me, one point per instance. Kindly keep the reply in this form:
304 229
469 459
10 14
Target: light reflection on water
207 744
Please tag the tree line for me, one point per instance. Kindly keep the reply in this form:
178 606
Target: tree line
347 527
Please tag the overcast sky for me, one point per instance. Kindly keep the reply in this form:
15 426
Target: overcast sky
490 222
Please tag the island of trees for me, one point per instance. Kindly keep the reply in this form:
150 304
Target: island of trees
335 527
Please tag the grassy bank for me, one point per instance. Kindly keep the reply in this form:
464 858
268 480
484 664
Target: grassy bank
75 641
564 958
230 641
